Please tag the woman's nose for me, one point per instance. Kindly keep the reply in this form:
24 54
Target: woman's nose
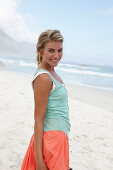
56 55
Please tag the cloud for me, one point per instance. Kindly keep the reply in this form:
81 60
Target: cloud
12 22
108 11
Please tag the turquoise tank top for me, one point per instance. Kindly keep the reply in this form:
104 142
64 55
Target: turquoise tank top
57 112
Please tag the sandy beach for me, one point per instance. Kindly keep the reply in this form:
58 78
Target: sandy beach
91 116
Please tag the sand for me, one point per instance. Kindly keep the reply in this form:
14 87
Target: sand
91 116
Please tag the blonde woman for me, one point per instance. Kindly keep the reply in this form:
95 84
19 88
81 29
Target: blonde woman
49 145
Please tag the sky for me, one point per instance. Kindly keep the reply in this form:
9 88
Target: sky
86 25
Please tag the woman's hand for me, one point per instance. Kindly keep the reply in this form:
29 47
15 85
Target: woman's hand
41 166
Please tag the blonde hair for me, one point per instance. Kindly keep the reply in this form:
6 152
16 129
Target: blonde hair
45 37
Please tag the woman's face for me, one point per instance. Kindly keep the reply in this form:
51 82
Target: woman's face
52 53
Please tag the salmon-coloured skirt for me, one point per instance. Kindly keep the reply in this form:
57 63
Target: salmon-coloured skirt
55 151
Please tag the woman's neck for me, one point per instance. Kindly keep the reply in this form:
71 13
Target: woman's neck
47 67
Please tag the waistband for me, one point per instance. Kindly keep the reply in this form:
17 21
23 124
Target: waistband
57 124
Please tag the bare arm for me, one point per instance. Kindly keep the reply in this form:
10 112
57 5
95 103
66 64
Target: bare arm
42 87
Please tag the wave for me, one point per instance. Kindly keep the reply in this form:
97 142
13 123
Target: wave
91 86
27 64
111 65
85 72
6 60
2 59
97 87
79 66
10 61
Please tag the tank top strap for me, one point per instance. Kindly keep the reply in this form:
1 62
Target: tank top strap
45 71
40 71
54 80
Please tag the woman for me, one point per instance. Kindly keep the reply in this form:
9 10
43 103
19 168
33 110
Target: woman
49 145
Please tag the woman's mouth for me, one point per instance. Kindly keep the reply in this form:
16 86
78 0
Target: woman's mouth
54 61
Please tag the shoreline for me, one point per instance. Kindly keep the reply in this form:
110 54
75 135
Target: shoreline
91 118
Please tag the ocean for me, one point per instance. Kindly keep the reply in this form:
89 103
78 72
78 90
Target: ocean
99 76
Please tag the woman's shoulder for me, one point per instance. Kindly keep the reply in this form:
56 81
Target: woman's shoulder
42 79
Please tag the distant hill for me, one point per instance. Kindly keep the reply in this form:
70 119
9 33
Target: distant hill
2 64
8 47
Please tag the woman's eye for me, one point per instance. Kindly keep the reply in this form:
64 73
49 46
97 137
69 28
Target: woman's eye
51 50
60 50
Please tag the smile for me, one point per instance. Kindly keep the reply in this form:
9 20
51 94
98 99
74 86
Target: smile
54 60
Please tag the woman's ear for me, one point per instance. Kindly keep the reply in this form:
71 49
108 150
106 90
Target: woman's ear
41 52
